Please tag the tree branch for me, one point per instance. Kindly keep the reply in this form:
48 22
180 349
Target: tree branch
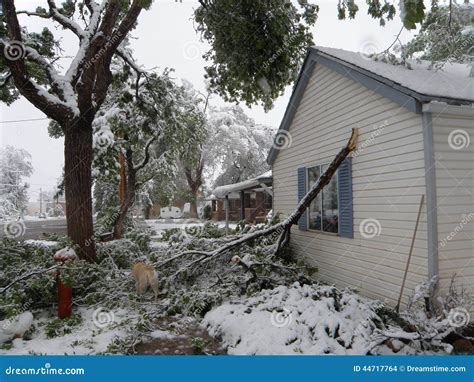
146 159
64 21
28 275
283 228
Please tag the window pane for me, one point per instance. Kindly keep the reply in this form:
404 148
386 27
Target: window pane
330 213
315 206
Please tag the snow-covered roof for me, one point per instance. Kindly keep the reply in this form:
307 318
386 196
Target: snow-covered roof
452 81
222 191
410 88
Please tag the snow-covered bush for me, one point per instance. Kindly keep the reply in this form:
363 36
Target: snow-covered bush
33 292
295 319
123 253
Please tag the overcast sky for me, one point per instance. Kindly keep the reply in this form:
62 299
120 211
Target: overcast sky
165 37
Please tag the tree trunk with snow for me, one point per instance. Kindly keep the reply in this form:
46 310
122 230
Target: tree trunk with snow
72 98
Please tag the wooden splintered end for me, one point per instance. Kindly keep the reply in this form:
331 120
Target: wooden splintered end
353 140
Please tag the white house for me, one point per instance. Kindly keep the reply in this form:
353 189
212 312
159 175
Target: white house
416 138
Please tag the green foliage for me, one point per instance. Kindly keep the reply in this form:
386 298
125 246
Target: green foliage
444 36
123 252
140 235
347 8
169 234
257 46
207 212
60 327
199 345
413 12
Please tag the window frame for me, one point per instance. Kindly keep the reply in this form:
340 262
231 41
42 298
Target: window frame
321 203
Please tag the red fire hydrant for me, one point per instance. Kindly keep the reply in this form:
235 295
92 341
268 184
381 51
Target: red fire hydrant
64 292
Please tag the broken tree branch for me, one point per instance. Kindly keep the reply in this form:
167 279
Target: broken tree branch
282 229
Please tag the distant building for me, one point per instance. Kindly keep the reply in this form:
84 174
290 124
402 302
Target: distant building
250 200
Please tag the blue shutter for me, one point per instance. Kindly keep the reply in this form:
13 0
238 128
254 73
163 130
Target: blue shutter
344 183
302 174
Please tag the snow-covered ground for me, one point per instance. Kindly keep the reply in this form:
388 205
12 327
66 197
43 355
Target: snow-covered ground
93 335
302 319
159 225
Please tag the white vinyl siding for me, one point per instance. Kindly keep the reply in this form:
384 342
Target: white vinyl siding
388 181
455 199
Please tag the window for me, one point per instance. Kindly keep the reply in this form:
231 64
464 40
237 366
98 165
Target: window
324 209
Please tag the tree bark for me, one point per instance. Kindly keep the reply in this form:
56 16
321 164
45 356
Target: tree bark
130 194
194 182
78 187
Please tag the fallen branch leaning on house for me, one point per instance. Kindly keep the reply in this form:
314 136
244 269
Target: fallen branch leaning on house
282 229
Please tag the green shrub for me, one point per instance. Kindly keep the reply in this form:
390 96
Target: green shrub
207 212
60 327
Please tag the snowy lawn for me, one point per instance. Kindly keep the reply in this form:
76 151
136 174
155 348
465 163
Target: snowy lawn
160 225
91 331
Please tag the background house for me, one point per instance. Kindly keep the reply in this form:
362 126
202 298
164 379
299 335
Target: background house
417 138
250 200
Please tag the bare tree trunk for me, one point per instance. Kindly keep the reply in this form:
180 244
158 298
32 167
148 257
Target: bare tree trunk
193 211
78 187
130 194
147 211
194 182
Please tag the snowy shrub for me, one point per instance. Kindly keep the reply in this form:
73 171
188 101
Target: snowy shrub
36 291
308 319
124 253
60 327
172 235
207 212
140 236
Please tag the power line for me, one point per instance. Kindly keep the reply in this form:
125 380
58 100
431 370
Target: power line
24 120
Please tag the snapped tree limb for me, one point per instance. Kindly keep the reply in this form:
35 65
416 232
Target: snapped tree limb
281 229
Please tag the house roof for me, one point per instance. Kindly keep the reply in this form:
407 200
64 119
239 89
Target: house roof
452 81
408 87
265 178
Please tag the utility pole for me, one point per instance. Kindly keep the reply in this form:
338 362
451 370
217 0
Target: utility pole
41 201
